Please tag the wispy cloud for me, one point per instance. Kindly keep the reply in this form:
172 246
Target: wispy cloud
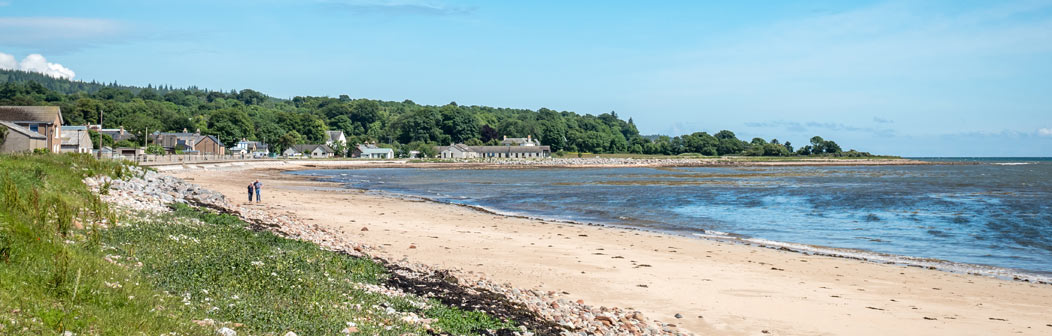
882 120
5 3
35 63
397 7
58 33
1044 132
812 126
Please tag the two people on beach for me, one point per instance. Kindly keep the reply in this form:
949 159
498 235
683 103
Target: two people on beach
254 187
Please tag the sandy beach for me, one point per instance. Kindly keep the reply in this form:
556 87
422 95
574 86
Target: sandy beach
714 287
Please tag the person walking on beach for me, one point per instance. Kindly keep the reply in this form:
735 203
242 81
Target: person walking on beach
258 185
251 188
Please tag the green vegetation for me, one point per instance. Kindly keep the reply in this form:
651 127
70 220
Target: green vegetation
404 125
60 270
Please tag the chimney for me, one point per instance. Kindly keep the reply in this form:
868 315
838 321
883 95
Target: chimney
198 132
122 130
529 137
505 137
184 130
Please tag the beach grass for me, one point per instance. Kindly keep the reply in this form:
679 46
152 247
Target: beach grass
61 270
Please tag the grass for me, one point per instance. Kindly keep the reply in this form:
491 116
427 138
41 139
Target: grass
155 274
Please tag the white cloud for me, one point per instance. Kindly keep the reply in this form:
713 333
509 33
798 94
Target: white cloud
35 63
1045 132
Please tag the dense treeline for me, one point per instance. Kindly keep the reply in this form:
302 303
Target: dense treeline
404 125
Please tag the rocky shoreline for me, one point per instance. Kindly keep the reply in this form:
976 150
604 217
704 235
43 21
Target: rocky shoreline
545 313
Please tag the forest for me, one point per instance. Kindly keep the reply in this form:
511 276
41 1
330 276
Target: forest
404 125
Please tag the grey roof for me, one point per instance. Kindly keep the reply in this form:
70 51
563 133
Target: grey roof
73 135
332 135
44 114
310 148
22 130
371 148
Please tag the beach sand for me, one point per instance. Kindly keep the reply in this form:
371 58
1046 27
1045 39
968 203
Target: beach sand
717 287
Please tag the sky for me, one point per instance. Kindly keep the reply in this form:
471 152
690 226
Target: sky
911 78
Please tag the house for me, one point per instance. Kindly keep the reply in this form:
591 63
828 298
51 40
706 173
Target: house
118 134
75 139
45 120
253 148
527 147
371 151
334 137
525 151
20 139
312 151
456 151
527 141
190 143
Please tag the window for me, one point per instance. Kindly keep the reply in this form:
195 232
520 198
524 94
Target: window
34 128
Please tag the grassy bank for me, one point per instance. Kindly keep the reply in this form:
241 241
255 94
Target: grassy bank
60 270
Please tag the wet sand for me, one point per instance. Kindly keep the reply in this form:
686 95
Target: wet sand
717 287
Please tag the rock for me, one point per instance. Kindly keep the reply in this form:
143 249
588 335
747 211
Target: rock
205 322
411 246
290 334
605 320
365 229
679 316
224 331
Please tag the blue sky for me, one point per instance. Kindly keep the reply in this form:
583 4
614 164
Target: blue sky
915 78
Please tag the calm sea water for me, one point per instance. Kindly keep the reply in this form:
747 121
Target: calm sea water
995 213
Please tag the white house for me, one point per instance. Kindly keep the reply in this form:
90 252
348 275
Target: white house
253 148
371 151
334 137
312 151
456 151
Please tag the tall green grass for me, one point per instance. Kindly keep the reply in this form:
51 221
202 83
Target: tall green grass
52 276
60 270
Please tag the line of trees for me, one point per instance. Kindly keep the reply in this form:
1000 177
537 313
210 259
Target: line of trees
405 125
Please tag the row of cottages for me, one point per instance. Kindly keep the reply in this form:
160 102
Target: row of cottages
527 147
371 151
253 148
311 151
189 143
31 128
76 139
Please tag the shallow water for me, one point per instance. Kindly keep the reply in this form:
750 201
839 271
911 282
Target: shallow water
995 214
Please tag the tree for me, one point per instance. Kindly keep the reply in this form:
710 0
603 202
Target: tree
107 140
230 125
287 140
3 134
154 149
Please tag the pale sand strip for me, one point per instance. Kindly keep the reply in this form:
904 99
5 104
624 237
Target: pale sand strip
735 289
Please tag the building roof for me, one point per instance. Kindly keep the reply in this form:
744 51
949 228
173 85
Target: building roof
332 135
310 148
520 141
22 130
510 149
43 114
74 135
371 148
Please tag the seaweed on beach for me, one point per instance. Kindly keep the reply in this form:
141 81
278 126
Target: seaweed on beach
444 287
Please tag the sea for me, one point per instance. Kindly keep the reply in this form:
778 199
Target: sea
975 215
